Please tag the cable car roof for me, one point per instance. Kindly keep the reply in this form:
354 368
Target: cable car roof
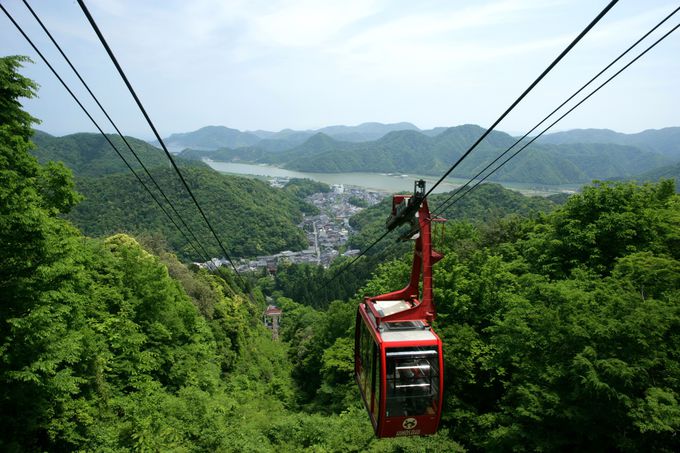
388 307
407 335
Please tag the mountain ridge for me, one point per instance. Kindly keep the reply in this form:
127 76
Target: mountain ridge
664 141
410 151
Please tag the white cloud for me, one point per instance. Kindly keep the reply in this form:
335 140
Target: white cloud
307 23
251 64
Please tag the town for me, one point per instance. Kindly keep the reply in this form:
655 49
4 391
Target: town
327 232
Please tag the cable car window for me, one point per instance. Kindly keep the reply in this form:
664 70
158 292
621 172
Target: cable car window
375 384
412 381
369 371
366 346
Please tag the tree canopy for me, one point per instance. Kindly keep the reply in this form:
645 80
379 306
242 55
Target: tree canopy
561 329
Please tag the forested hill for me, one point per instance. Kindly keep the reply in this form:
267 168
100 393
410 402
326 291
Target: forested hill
216 137
210 137
107 345
668 172
88 154
664 141
250 217
561 331
413 152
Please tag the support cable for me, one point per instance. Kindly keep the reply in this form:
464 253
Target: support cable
96 100
564 115
488 131
519 99
439 209
157 135
127 164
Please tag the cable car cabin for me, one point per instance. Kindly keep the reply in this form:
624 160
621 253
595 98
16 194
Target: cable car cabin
398 362
399 372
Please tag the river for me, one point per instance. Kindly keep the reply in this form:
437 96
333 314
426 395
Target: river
380 182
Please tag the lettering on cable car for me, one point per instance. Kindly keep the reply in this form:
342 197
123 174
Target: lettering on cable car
408 432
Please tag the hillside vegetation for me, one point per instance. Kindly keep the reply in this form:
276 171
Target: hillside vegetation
216 137
250 217
414 152
664 141
666 172
88 154
106 345
561 330
561 333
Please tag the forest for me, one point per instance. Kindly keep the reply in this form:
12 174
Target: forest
260 221
561 328
548 161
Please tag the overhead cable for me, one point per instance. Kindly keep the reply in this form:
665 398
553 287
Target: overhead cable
156 134
75 98
96 100
519 99
439 209
561 117
488 131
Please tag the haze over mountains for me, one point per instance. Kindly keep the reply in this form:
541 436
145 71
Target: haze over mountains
571 157
215 137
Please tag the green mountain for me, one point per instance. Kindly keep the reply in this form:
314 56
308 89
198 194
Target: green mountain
365 132
665 172
217 137
90 154
250 217
414 152
210 137
664 141
411 151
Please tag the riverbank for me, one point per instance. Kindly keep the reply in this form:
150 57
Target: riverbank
382 182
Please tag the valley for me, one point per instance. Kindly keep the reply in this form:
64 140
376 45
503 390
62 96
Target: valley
382 182
558 314
567 159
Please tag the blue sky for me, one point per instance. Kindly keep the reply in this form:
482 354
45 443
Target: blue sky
308 64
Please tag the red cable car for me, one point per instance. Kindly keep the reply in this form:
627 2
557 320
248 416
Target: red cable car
398 361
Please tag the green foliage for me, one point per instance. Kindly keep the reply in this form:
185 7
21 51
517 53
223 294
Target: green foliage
88 154
414 152
561 332
249 217
107 347
15 121
546 347
302 187
606 222
356 201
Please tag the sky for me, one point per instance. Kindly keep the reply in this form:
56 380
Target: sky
278 64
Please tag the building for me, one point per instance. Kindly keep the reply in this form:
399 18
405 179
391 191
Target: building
272 319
